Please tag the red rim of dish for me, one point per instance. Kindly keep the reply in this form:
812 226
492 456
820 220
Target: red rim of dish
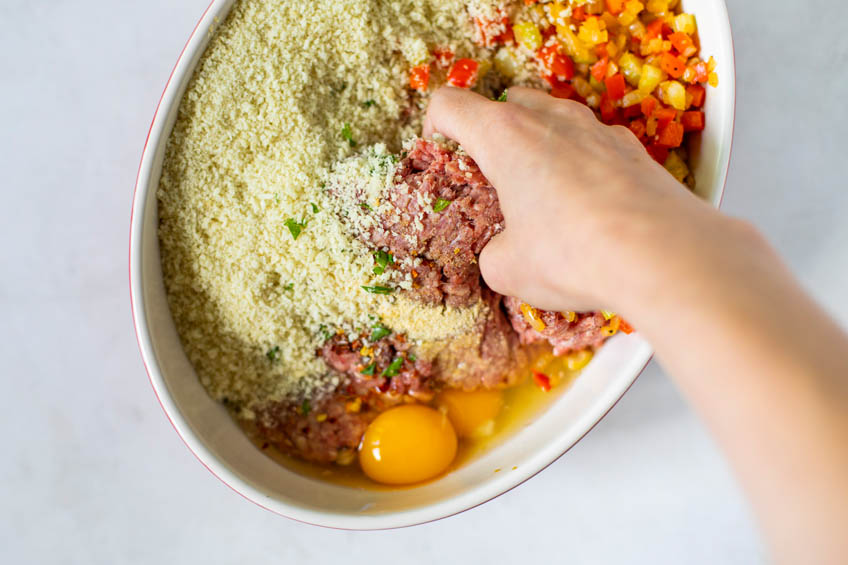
198 456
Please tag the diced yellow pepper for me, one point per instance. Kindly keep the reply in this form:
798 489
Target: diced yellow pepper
676 166
528 35
506 62
650 78
578 360
532 317
674 94
593 32
633 97
712 80
575 48
657 6
685 23
631 68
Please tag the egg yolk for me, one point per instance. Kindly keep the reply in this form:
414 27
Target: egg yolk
472 413
407 444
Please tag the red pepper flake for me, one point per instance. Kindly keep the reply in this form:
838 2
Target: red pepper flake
463 73
542 380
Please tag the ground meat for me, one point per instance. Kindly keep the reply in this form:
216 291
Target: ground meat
324 431
439 248
490 360
564 336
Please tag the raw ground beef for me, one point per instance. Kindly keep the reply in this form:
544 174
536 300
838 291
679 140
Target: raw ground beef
564 336
447 242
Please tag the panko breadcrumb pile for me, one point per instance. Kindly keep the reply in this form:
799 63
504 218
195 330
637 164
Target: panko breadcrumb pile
258 264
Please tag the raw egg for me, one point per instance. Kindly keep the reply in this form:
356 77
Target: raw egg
407 444
472 413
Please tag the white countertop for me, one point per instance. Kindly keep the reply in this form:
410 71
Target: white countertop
93 473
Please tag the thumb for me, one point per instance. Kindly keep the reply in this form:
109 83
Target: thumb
497 265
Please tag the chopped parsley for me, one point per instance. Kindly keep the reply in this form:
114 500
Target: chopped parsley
347 134
305 407
393 369
273 354
295 227
315 208
378 289
365 206
276 196
369 103
441 204
412 357
327 334
289 286
379 331
369 370
502 97
382 260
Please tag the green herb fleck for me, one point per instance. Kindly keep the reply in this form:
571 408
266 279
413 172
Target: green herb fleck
295 227
305 407
412 357
273 354
378 289
315 208
325 332
382 259
393 369
502 97
379 331
369 370
276 196
369 103
365 206
289 286
441 204
347 134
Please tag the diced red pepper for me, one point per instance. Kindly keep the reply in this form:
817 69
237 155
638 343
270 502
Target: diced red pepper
542 380
443 55
615 6
664 116
561 88
615 86
556 62
638 128
683 43
578 14
601 50
625 327
599 69
609 113
419 77
658 153
693 121
673 65
463 73
649 104
698 94
530 2
671 135
631 112
654 29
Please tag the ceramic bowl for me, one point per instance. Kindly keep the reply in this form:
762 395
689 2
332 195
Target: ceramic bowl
210 433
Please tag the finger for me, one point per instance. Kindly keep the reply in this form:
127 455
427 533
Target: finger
463 116
530 98
495 261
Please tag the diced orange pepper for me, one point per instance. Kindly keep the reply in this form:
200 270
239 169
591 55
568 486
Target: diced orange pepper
673 65
701 72
683 43
561 89
664 116
626 327
649 104
638 128
615 6
615 86
693 121
419 77
671 135
599 69
578 14
698 94
654 29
